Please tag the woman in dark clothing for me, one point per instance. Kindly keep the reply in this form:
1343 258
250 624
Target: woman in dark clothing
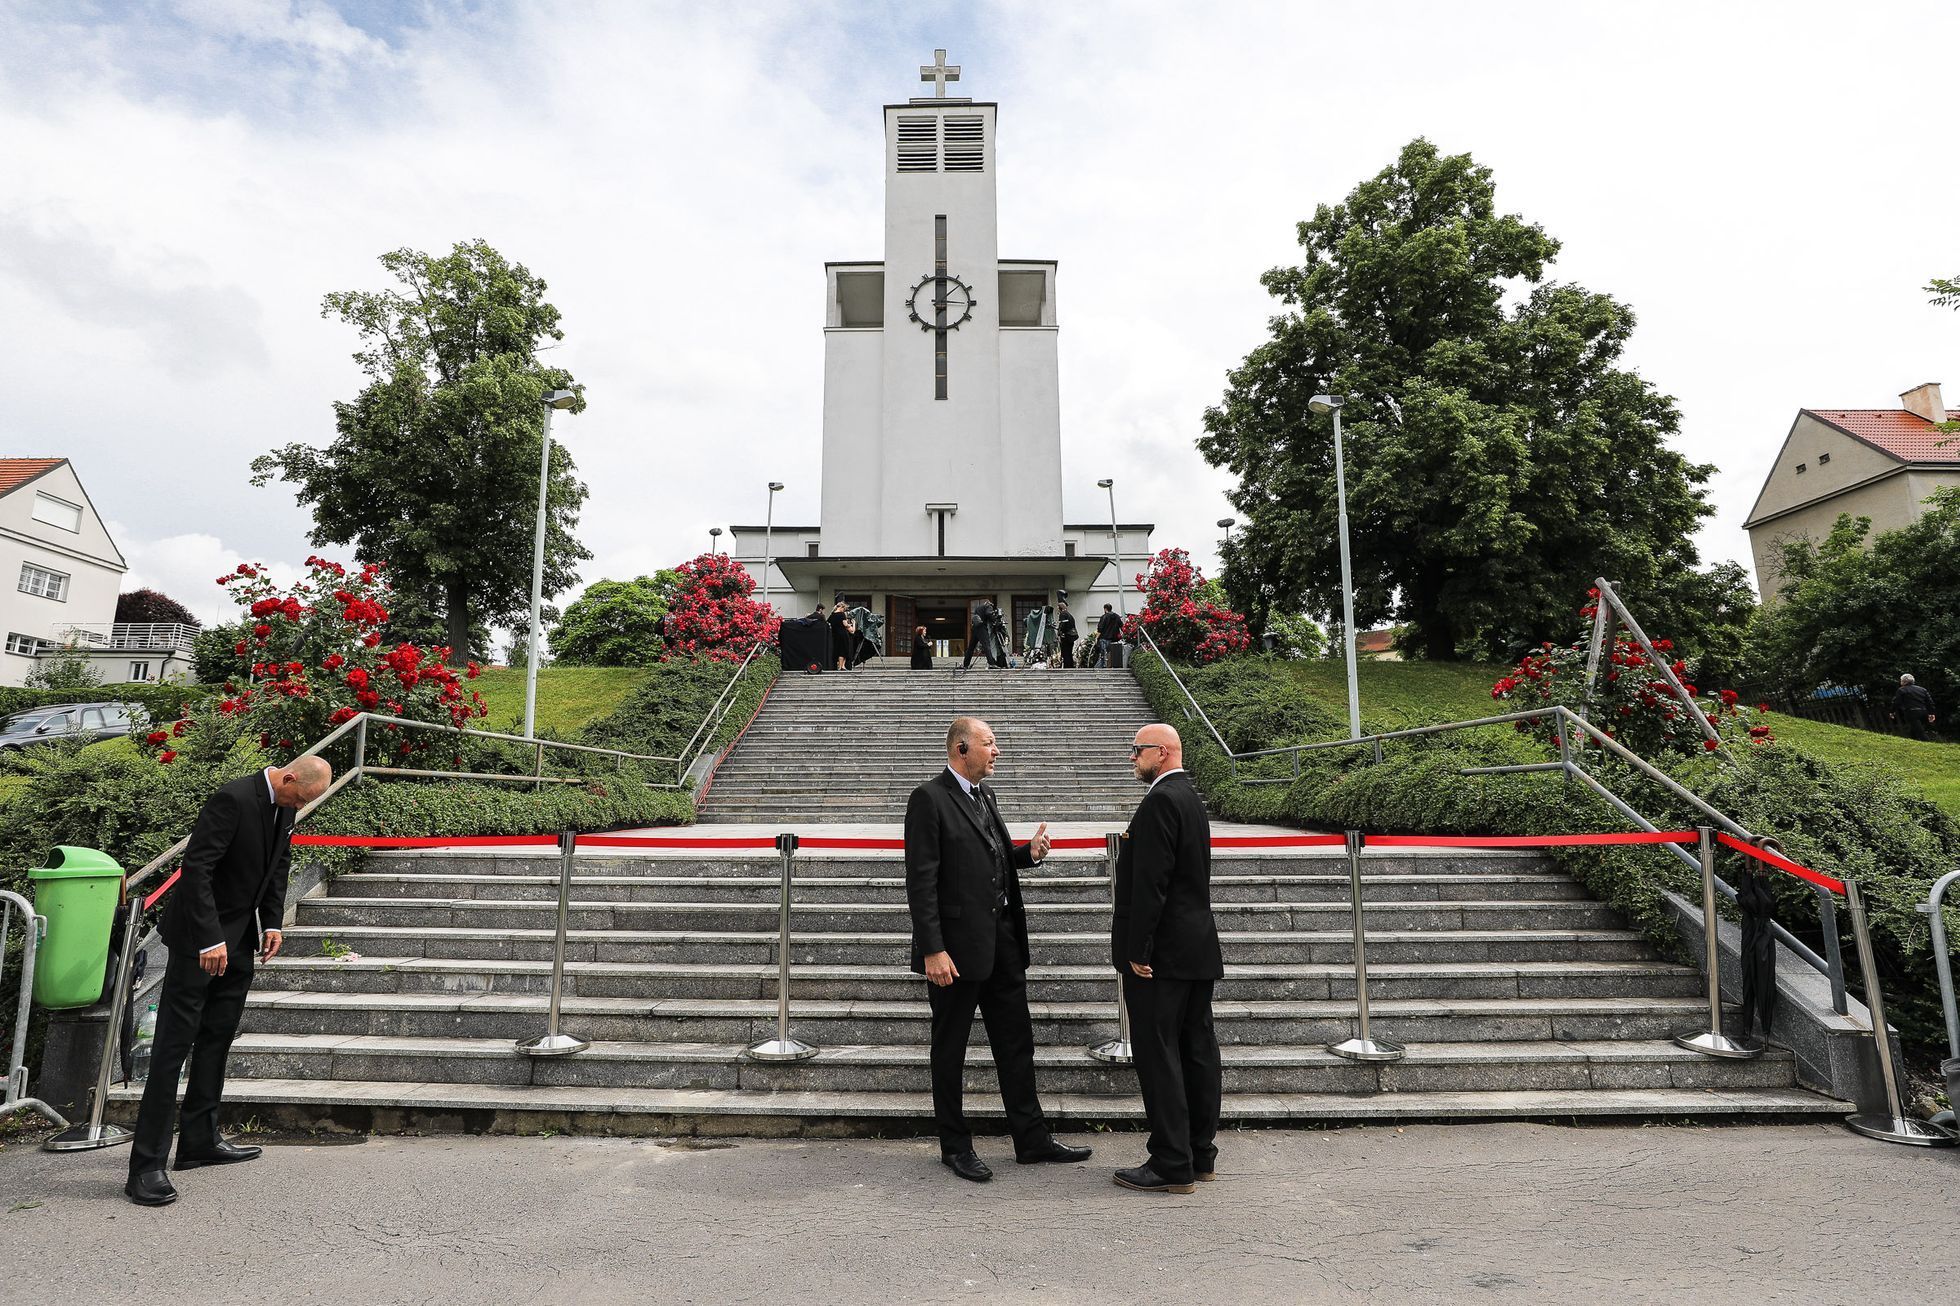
921 651
840 636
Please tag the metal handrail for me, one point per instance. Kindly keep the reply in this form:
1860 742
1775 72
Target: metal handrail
1942 963
716 714
1830 964
14 1097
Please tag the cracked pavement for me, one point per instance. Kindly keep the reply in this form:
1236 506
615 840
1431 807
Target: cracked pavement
1496 1212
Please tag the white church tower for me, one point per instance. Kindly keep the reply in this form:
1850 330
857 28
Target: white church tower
942 461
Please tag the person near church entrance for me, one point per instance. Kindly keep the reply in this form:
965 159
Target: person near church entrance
970 941
227 908
1065 627
841 635
1037 634
921 651
1109 629
984 636
1912 707
1164 945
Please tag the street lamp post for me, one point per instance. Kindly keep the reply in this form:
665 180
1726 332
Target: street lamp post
1332 404
714 540
768 521
553 401
1115 549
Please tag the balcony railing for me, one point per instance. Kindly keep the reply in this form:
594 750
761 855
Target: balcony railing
132 637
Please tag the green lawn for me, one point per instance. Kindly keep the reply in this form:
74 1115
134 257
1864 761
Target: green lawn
1398 694
569 698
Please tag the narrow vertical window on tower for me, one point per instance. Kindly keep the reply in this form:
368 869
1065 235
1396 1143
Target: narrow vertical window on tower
939 306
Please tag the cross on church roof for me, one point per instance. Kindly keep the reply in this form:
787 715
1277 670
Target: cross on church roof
939 72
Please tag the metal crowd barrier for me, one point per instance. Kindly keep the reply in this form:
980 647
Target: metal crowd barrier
554 1042
1116 1051
782 1047
35 929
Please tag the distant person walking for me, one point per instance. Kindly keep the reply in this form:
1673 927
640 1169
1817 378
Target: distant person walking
1065 626
921 651
1109 629
1912 706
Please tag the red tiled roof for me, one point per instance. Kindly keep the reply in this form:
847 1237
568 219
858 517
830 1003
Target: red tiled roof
1906 436
16 472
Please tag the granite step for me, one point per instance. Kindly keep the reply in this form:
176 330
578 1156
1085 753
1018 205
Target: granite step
817 918
815 864
856 948
736 1020
894 981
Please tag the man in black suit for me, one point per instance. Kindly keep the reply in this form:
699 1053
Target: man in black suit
1065 627
228 905
1164 944
970 941
1109 629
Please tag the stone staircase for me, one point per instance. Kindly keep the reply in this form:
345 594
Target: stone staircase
851 747
1516 995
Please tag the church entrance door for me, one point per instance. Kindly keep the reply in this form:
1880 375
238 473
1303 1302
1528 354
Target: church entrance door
945 623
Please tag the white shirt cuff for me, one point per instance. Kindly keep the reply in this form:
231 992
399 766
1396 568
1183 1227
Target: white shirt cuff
213 948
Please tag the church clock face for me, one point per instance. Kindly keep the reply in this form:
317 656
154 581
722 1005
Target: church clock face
927 299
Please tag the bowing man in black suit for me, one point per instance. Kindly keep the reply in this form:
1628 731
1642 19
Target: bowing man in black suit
1164 944
227 907
970 941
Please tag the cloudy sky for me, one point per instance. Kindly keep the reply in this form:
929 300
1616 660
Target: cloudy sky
1768 186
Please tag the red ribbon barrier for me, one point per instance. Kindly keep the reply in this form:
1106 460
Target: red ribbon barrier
1527 840
1781 863
642 841
444 841
163 888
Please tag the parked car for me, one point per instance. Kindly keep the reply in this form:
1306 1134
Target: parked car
87 721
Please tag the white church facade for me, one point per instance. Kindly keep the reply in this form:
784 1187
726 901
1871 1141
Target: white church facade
942 470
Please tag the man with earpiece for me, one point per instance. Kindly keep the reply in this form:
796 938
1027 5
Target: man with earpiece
970 941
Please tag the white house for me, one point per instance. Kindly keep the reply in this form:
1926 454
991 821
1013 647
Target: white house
942 463
67 573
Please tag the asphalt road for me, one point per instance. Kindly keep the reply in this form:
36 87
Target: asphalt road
1480 1213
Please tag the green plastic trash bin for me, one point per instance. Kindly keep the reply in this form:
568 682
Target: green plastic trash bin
78 893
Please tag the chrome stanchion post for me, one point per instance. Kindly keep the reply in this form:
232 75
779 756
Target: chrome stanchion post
1361 1047
1712 1041
94 1134
782 1047
553 1042
1117 1051
1896 1127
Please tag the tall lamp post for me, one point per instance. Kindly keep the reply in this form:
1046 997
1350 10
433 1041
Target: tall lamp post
553 401
1332 404
1115 548
714 540
768 521
1226 524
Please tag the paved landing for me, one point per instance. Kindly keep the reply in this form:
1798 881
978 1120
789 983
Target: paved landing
1498 1213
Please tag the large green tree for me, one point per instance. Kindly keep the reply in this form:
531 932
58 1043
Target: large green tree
433 468
1499 457
616 623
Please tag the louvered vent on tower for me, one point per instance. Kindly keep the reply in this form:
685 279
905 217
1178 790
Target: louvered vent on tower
965 145
918 145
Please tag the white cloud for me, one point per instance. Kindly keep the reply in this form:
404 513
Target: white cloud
1769 198
187 567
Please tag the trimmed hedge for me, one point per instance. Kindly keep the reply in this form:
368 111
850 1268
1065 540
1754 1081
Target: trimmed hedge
1848 820
665 710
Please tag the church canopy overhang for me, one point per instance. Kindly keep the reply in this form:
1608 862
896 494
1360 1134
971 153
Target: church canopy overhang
1063 572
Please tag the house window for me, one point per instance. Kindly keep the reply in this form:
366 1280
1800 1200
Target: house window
139 671
26 645
58 512
1823 458
813 548
1801 469
43 583
1068 549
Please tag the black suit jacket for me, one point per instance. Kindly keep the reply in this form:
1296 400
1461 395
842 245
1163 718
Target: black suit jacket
234 870
949 878
1163 887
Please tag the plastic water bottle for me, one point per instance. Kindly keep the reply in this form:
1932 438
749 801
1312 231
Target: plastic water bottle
146 1037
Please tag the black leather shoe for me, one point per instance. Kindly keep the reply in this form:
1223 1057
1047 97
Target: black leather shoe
1206 1176
1145 1180
1054 1150
225 1153
151 1188
967 1166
